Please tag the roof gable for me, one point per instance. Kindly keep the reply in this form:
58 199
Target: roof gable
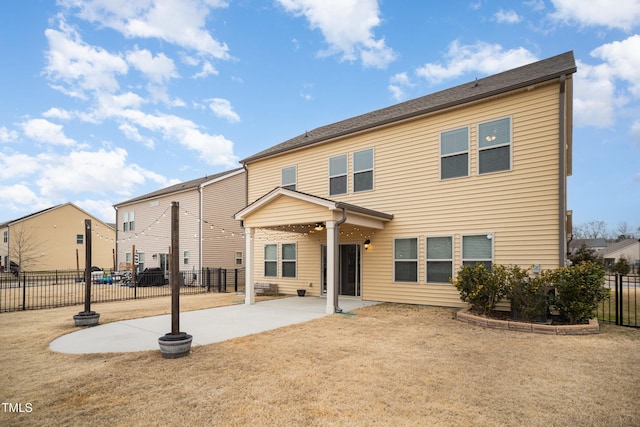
537 72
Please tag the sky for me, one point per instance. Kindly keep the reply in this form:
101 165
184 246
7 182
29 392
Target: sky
105 100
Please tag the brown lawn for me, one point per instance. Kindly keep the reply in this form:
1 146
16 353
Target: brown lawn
390 365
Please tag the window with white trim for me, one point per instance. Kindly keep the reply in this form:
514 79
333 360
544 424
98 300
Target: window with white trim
405 260
439 252
289 260
454 153
338 175
288 178
80 239
185 257
363 170
239 258
494 146
271 260
131 228
125 222
477 249
5 236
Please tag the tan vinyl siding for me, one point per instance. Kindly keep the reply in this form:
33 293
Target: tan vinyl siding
285 211
518 207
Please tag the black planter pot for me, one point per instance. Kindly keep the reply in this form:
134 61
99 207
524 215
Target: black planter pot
301 292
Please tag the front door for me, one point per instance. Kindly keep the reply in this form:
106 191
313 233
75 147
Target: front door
349 270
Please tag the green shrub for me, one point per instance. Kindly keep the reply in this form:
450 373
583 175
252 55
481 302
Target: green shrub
622 266
578 290
481 287
529 294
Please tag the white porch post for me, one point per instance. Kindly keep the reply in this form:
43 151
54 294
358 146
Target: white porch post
331 266
249 294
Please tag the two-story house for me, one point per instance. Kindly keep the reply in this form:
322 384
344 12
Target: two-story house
388 205
209 236
55 239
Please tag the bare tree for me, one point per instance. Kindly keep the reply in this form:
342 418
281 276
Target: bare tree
25 247
623 231
591 230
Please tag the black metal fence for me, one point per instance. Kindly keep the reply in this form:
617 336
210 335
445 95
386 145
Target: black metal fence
37 290
621 308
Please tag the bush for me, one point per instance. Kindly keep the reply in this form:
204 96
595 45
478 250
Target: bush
578 291
529 295
585 254
622 266
481 287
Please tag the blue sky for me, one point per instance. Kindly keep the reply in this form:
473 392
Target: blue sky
105 100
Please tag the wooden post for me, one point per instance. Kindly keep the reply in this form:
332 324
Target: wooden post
87 265
175 266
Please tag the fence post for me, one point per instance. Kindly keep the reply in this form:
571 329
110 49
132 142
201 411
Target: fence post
208 279
219 280
235 280
224 280
24 291
618 300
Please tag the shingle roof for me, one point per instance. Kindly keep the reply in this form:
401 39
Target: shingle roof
516 78
619 245
177 188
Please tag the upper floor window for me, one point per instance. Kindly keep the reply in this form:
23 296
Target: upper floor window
439 259
338 175
494 146
5 236
128 221
288 178
454 153
477 249
79 239
363 170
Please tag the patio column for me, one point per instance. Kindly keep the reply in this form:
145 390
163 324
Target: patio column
331 265
249 294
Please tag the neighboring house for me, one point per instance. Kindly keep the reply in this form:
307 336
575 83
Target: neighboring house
628 248
54 239
388 205
209 236
594 244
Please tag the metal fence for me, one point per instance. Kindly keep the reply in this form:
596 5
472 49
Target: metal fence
48 289
621 308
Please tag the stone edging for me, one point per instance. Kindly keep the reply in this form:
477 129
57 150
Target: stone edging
465 315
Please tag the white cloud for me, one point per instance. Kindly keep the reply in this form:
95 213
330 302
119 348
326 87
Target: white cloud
624 59
42 130
507 17
57 113
7 135
103 209
18 194
398 84
593 95
207 70
17 166
132 133
635 132
347 27
222 108
484 58
180 22
78 66
158 69
536 5
624 14
98 172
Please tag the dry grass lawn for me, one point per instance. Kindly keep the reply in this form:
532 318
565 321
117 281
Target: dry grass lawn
390 365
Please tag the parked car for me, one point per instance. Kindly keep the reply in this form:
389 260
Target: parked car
151 277
14 268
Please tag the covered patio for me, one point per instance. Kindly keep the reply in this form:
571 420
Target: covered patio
289 211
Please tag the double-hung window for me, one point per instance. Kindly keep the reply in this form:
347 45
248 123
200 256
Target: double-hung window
289 178
439 259
338 175
454 153
239 258
185 257
494 146
363 170
271 260
289 260
477 249
405 260
125 222
80 239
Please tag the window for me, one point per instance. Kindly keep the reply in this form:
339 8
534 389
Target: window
405 259
439 259
270 260
288 260
494 145
238 258
338 175
5 236
477 249
131 221
79 239
127 257
185 257
125 222
289 178
454 153
363 170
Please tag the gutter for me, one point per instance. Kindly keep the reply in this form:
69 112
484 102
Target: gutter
336 261
200 230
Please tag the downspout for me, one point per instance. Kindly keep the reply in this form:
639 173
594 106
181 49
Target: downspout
117 240
562 178
336 261
200 232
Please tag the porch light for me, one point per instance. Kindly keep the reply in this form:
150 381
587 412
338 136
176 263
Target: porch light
319 226
366 244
